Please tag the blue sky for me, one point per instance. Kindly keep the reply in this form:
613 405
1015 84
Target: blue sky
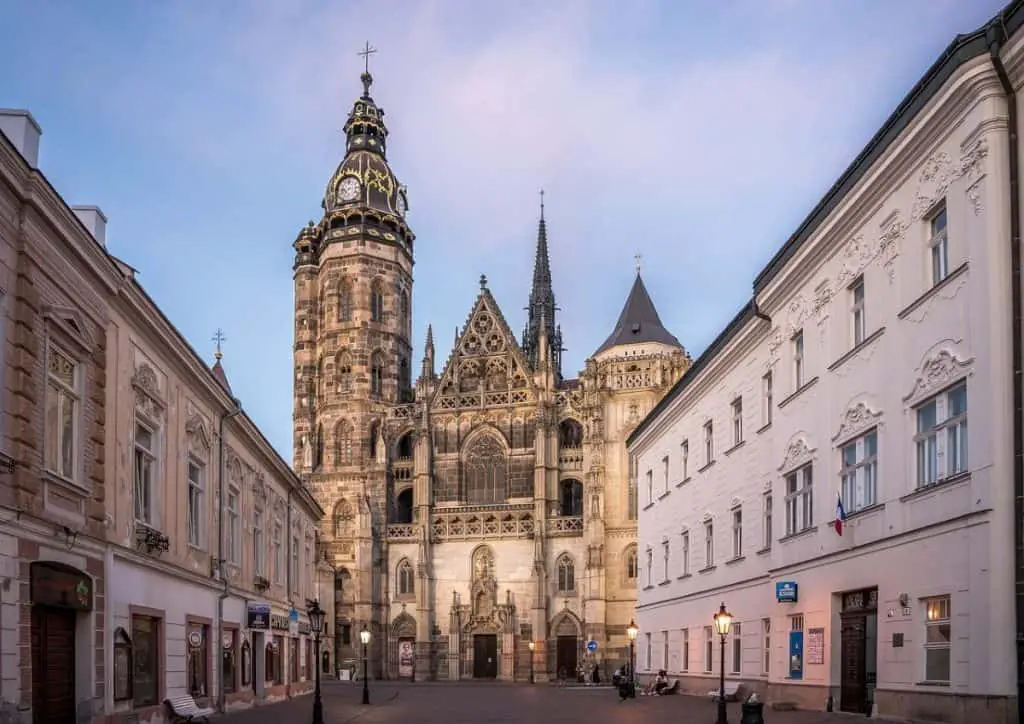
697 133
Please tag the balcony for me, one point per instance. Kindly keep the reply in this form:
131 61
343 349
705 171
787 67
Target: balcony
512 521
401 532
570 459
565 526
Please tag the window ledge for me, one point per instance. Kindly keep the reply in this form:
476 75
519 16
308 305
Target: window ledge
932 291
665 582
799 391
684 481
865 511
684 576
649 506
799 534
705 466
664 495
735 559
938 684
191 546
764 428
707 569
939 485
648 587
766 549
849 354
66 483
735 447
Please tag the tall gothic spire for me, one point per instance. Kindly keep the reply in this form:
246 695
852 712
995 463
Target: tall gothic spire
541 309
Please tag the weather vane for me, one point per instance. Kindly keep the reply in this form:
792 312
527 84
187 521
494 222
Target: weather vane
218 338
637 258
365 54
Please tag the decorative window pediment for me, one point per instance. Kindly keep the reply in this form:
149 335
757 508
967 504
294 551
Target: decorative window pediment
858 418
736 502
798 453
70 325
938 370
198 435
706 517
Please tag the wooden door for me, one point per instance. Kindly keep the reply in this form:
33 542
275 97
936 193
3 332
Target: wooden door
853 663
565 656
485 656
53 665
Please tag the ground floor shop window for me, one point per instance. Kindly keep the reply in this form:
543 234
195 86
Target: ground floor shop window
197 641
272 661
227 660
146 660
294 656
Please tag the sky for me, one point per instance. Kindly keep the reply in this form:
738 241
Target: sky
697 134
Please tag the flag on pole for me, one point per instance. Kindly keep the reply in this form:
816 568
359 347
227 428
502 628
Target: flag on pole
840 514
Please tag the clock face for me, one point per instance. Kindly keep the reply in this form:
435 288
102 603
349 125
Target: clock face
348 189
400 204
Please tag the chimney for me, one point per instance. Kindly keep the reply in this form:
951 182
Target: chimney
94 220
23 132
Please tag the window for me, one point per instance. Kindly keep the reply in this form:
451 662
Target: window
664 464
344 372
570 498
767 522
376 375
258 552
684 460
737 421
796 622
294 573
798 360
631 565
144 473
709 544
566 575
345 302
939 245
631 500
61 435
293 655
686 553
277 553
859 473
197 641
195 513
647 651
766 399
664 650
937 639
665 552
278 654
857 319
685 664
146 657
766 646
227 659
233 552
709 648
343 443
942 436
650 486
406 579
376 302
650 565
709 442
309 569
737 647
799 501
737 532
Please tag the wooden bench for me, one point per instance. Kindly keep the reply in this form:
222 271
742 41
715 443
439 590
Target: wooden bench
184 709
732 690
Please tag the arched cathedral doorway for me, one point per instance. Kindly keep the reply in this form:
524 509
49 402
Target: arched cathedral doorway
566 635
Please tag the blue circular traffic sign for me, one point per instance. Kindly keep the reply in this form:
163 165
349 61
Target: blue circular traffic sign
591 646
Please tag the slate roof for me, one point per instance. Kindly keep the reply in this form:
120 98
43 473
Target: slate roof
638 322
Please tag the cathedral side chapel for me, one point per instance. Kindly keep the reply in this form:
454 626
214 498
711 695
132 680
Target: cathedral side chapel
489 504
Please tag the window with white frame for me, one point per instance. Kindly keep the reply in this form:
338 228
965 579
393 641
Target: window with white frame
942 436
737 532
709 544
737 421
664 650
258 545
308 569
233 531
650 567
686 552
767 399
858 320
195 512
665 553
798 360
766 521
650 486
664 464
631 564
709 442
295 564
709 648
938 244
766 646
685 663
799 500
60 440
647 651
684 460
737 647
938 641
144 473
860 472
278 553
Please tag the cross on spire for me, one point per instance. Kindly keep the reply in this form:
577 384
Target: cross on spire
218 338
637 257
365 54
542 204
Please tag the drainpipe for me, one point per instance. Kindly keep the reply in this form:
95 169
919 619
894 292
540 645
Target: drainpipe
996 36
221 470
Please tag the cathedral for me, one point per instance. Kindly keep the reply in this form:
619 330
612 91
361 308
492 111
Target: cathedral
481 520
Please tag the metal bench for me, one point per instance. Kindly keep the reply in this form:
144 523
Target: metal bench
184 709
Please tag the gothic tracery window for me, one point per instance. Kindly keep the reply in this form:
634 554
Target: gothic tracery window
343 518
345 301
486 472
632 569
343 443
343 370
406 578
376 302
570 498
376 374
404 321
566 574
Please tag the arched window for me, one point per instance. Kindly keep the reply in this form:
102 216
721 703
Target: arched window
403 507
570 434
345 301
404 449
631 564
343 370
376 302
343 518
570 498
318 451
377 374
406 578
403 323
485 471
566 574
343 443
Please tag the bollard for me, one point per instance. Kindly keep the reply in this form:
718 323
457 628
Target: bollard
753 710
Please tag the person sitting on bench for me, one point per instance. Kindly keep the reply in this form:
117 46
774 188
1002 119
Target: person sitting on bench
660 682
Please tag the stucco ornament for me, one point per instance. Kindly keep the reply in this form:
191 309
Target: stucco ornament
858 418
797 453
891 235
937 371
940 172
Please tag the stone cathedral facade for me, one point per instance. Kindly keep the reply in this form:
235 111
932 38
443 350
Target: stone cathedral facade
489 502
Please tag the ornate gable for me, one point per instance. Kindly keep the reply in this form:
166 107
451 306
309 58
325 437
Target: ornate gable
486 367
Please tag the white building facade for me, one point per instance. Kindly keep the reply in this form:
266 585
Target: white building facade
874 365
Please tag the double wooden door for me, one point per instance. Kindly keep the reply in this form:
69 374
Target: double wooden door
566 652
53 665
485 656
853 694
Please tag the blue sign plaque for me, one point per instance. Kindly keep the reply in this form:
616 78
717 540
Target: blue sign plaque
786 591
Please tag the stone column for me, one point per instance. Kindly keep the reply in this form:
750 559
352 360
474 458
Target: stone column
454 640
424 565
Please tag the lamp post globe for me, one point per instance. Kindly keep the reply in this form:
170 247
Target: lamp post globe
364 636
316 625
632 632
723 621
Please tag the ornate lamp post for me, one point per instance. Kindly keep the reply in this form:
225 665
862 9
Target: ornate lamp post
364 636
316 623
723 620
632 631
532 646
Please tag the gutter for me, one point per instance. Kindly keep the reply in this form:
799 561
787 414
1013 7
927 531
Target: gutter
996 36
221 469
757 311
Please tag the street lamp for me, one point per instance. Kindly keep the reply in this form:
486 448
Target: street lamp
364 636
632 631
316 623
532 646
723 620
